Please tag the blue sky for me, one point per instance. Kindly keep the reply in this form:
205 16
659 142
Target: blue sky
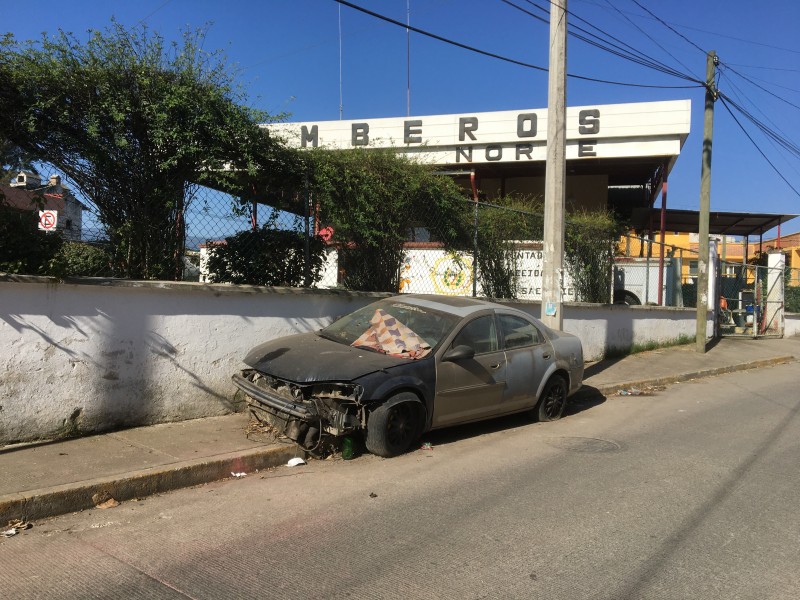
286 54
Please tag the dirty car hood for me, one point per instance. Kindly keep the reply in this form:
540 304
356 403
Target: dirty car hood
307 357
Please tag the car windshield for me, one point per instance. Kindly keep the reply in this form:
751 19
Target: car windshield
392 327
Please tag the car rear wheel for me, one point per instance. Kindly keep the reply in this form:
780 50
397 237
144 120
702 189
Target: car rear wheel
394 426
552 401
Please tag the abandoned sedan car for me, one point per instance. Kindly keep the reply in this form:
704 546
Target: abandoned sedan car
405 365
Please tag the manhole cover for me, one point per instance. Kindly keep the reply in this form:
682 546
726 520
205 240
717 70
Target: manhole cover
582 444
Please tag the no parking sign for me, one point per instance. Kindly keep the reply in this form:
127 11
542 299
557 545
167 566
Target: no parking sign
48 220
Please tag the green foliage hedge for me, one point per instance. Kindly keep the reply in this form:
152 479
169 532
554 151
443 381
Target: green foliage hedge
24 249
266 256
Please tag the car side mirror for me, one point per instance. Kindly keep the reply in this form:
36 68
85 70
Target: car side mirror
459 353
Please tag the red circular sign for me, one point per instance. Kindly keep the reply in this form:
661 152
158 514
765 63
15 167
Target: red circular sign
48 220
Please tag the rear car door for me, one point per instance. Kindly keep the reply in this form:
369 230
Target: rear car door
528 355
471 389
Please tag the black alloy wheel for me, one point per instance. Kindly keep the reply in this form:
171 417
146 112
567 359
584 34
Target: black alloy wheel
553 401
394 426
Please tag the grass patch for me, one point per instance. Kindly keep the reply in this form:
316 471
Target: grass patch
681 340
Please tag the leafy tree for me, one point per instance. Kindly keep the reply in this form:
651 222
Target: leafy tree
134 122
374 200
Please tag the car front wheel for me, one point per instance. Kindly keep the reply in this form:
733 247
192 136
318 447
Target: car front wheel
394 426
553 400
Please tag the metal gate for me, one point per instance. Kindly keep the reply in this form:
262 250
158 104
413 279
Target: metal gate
751 300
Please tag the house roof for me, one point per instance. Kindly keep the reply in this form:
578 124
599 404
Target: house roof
29 199
720 223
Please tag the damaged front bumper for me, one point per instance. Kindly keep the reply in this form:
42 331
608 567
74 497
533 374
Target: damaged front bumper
304 413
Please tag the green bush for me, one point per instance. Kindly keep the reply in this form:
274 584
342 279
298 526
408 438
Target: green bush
266 256
589 250
500 229
792 299
23 248
79 259
373 199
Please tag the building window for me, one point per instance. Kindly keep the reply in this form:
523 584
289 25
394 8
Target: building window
693 268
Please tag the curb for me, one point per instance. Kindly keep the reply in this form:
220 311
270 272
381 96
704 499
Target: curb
611 389
72 497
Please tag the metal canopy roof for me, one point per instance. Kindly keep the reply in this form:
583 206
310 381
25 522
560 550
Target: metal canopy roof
720 223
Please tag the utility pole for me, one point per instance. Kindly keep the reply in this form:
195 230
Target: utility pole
705 202
555 169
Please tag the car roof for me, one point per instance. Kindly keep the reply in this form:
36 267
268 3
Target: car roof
456 305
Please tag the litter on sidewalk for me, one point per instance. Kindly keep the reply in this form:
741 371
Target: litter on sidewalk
647 391
14 527
104 500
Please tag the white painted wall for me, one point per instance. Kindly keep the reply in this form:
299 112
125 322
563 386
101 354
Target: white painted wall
791 324
117 354
609 328
123 355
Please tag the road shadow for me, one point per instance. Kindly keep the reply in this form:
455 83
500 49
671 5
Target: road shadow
586 398
599 367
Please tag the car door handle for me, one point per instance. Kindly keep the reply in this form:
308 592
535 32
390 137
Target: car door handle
546 355
495 366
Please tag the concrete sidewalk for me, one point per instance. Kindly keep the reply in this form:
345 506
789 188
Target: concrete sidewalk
50 478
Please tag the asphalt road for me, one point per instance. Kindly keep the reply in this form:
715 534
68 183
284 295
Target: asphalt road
690 493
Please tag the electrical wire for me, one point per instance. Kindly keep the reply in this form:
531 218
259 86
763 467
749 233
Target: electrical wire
668 26
653 39
773 84
143 19
744 98
618 47
494 55
725 100
762 88
785 142
706 31
741 66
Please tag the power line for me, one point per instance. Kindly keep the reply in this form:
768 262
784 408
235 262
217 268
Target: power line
143 19
773 84
771 133
743 97
667 25
762 88
617 49
755 106
741 66
706 31
725 101
652 39
492 54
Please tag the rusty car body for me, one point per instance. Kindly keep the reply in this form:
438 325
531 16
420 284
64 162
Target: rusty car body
405 365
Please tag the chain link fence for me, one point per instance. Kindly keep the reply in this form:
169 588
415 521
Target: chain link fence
640 279
474 249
